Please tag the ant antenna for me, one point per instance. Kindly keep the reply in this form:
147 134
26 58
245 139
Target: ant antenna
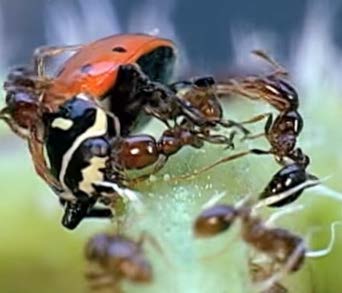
325 251
279 70
281 213
326 191
213 200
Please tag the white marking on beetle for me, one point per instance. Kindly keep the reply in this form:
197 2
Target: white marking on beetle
92 174
97 129
135 151
62 123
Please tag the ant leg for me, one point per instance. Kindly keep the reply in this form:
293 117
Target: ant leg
257 118
194 114
41 53
238 125
221 161
217 138
295 250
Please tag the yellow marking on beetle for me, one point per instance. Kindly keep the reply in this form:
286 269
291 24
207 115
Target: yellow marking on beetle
62 123
97 129
92 174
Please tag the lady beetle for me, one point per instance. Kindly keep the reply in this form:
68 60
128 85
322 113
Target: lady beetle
124 77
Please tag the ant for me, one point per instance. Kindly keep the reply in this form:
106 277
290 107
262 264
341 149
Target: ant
114 258
285 249
281 132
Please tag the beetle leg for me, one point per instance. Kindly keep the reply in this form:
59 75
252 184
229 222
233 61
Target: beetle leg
99 213
41 53
74 213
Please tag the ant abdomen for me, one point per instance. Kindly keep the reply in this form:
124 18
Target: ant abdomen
291 178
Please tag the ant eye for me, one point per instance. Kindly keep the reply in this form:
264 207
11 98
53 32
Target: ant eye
214 220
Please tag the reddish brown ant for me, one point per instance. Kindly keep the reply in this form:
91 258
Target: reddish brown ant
285 249
114 258
281 132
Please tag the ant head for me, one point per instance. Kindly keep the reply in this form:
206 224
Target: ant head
215 220
21 109
116 253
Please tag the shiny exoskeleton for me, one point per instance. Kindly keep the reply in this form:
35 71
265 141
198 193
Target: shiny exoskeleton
87 154
114 258
281 246
281 132
121 80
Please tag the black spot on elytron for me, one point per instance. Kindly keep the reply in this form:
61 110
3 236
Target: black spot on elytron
119 49
86 68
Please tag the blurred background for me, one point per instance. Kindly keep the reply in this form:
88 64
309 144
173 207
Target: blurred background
214 37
